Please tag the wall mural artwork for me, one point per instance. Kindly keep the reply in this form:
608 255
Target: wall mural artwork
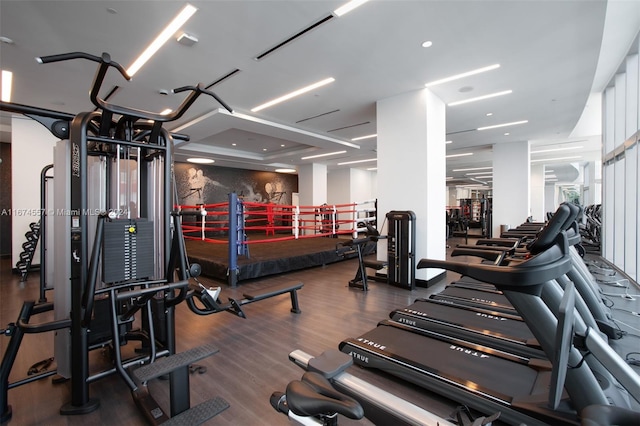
202 184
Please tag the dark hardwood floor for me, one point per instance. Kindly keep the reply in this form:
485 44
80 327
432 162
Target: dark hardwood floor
253 357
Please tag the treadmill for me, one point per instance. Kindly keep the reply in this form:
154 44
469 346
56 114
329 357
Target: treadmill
481 322
470 292
498 330
480 377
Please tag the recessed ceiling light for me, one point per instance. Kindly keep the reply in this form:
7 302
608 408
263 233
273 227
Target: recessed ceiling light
465 89
282 145
348 7
462 75
480 98
6 40
507 133
448 142
466 154
364 137
177 22
322 155
234 144
294 94
264 149
285 170
489 114
200 160
495 126
357 161
427 44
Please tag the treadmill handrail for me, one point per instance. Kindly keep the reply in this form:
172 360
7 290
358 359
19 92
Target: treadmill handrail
527 276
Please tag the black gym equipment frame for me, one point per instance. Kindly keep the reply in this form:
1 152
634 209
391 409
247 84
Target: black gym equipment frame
401 249
446 365
102 133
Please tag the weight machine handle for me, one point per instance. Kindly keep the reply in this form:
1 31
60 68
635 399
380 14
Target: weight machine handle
106 62
104 59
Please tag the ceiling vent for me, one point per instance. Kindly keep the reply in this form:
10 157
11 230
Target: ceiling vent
223 78
348 127
317 116
293 37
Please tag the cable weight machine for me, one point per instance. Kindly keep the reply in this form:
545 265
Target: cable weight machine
117 253
401 249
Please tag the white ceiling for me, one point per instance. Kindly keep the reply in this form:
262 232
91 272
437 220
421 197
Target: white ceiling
548 52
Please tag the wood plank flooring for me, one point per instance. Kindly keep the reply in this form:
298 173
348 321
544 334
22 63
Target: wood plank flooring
252 362
253 358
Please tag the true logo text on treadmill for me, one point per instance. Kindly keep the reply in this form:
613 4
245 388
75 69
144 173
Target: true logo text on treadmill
491 317
468 351
476 299
359 357
406 321
417 313
372 344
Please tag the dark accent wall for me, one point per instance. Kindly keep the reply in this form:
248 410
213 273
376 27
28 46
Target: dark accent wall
206 184
5 199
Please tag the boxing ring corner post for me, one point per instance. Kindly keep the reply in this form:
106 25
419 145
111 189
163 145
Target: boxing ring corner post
232 272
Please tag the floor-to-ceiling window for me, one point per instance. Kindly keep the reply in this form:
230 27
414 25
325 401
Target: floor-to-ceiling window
621 159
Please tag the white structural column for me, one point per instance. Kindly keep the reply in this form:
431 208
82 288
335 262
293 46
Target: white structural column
411 169
511 189
312 187
537 193
31 150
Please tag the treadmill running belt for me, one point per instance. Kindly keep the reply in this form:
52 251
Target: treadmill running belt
476 371
501 326
475 297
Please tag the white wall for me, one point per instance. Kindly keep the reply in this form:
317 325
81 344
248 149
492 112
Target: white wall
538 209
346 186
312 190
339 187
31 150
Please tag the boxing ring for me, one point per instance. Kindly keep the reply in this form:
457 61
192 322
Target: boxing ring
241 240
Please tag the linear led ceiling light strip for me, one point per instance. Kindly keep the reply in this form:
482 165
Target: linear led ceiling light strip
364 137
177 22
7 78
357 161
495 126
293 94
481 98
323 155
463 75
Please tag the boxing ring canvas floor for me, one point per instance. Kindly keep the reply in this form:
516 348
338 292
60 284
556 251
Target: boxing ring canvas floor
265 258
